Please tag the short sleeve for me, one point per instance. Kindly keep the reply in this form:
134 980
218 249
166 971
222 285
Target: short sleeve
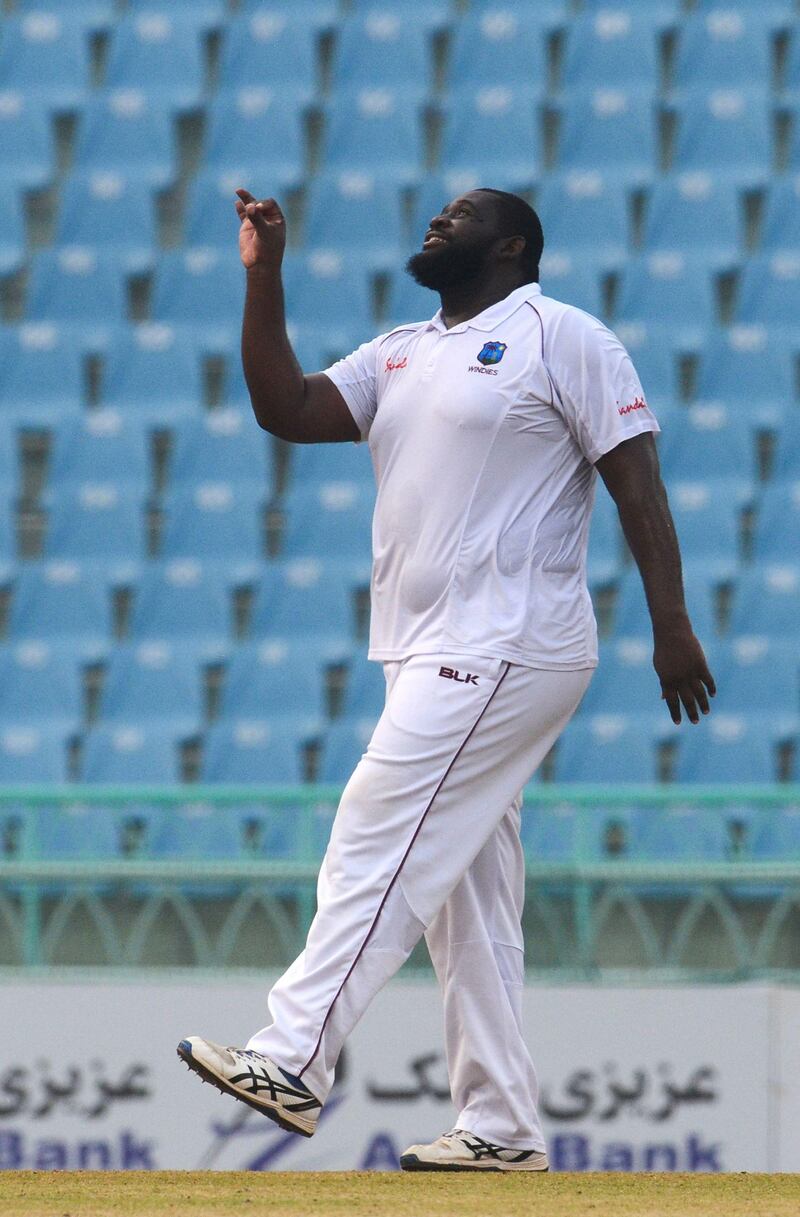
599 391
355 377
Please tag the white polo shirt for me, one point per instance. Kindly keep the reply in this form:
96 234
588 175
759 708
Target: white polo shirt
483 438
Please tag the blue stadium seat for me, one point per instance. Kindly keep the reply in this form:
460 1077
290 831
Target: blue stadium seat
750 370
612 130
493 130
204 284
109 212
32 754
159 52
39 682
95 15
610 46
667 8
613 748
270 679
42 379
77 285
769 290
10 456
8 538
767 601
625 682
573 278
780 226
345 744
316 463
12 228
759 674
306 597
154 681
96 520
429 13
566 832
27 140
221 445
655 357
787 460
82 831
729 129
375 127
123 131
357 214
682 832
49 51
331 520
631 615
79 832
707 516
407 301
209 15
322 286
668 289
365 694
184 599
709 441
552 834
778 523
584 214
775 835
256 139
210 212
726 748
605 538
267 48
380 48
500 46
153 373
101 445
65 601
214 520
725 48
130 754
791 72
695 213
247 831
257 750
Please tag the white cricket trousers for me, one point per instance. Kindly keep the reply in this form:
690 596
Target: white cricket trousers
426 841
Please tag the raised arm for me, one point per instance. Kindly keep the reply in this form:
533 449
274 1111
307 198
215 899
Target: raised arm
631 474
303 409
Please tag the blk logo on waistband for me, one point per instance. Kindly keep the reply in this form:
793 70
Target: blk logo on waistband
454 674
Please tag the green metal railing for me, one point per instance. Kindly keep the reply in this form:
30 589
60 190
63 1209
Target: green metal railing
584 915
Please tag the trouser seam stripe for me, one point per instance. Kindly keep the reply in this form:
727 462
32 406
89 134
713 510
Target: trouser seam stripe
400 866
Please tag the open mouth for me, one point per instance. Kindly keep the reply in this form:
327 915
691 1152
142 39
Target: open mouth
433 239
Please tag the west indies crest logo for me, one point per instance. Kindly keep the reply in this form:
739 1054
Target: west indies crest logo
492 352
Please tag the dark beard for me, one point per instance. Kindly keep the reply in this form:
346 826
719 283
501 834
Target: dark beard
447 266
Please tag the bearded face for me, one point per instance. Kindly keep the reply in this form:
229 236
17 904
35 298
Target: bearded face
447 262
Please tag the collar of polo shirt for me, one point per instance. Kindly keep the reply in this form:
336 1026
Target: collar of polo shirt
491 317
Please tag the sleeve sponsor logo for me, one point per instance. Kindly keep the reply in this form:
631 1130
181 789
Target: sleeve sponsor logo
638 403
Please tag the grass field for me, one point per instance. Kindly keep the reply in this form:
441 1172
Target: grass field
350 1194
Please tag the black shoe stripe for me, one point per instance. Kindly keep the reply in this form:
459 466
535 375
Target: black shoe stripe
186 1055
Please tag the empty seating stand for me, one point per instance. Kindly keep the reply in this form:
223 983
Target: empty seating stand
212 581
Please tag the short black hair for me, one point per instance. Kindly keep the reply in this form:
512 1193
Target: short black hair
518 219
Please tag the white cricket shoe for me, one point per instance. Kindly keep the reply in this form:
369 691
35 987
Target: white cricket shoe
256 1080
464 1151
